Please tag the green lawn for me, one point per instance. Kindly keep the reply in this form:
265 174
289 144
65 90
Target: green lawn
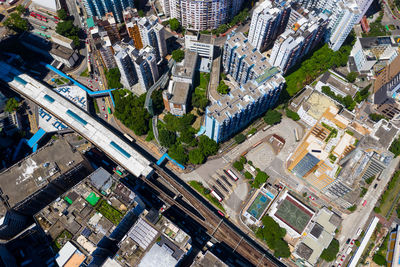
85 73
204 80
202 190
108 211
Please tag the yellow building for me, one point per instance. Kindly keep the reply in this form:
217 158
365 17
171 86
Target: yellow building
315 160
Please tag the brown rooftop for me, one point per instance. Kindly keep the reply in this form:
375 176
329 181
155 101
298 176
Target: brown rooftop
387 74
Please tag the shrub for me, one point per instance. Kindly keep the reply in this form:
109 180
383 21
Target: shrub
272 117
329 254
240 138
248 175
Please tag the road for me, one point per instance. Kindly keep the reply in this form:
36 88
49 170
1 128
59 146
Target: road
358 219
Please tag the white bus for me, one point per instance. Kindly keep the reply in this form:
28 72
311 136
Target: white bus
216 196
231 174
296 135
128 137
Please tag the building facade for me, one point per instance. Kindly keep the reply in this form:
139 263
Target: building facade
202 15
344 17
125 66
98 8
297 42
152 34
145 63
268 21
259 88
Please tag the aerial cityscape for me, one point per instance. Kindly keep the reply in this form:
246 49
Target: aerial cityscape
202 133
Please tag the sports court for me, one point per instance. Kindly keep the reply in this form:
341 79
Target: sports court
294 214
259 205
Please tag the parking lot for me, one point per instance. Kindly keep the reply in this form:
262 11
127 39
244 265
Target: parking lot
263 157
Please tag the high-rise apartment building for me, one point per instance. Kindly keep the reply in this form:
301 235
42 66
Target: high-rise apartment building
297 42
260 87
202 15
145 63
125 65
268 21
130 19
100 7
344 17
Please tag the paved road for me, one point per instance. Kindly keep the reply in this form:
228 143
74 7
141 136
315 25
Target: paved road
358 219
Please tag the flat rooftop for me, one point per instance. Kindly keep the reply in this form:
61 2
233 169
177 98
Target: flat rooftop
61 51
36 171
208 260
187 69
180 93
77 119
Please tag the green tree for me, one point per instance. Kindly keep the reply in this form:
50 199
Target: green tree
208 146
376 117
352 208
66 28
329 254
62 14
11 105
395 147
141 13
178 55
16 23
352 76
157 101
291 114
379 259
222 88
167 138
248 175
273 235
113 76
199 101
260 179
240 138
175 25
272 117
178 153
20 9
370 179
196 156
238 166
187 137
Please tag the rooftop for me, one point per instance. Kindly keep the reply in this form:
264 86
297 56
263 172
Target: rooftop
35 171
180 93
188 67
208 260
337 83
62 51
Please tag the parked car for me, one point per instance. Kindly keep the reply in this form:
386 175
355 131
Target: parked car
375 186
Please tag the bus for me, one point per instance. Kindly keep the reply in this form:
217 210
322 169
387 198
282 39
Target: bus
296 135
109 110
43 27
231 175
216 196
128 137
118 172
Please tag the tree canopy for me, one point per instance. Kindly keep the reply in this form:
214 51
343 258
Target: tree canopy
222 88
291 114
175 25
178 153
167 138
329 254
68 29
11 105
113 78
272 117
260 179
395 147
16 22
273 235
178 55
129 109
208 146
62 14
240 138
379 259
196 156
352 76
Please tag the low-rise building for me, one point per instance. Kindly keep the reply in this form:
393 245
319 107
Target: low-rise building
64 55
62 40
337 84
176 98
319 235
203 45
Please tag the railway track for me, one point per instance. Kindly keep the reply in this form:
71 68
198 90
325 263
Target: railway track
218 227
